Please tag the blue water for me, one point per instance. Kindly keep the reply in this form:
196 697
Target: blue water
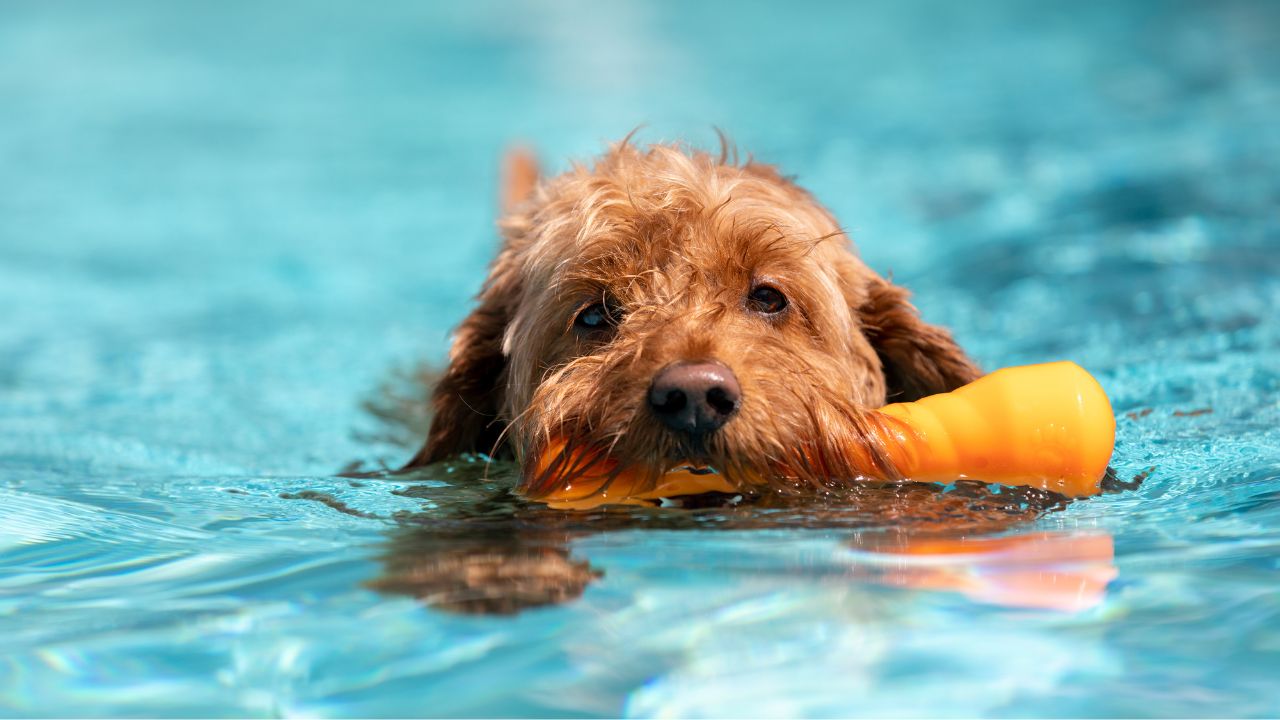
231 232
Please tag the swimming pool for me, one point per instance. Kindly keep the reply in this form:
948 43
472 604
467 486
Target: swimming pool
227 230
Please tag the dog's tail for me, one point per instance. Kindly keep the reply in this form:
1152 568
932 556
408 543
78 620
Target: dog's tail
519 176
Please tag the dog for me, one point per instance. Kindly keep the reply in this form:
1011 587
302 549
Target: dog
667 306
663 274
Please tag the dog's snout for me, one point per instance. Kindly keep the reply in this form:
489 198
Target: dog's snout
695 398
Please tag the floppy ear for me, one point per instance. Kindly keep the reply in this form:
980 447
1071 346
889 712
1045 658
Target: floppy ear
467 400
919 359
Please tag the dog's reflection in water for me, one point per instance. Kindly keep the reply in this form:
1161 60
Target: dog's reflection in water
490 572
482 550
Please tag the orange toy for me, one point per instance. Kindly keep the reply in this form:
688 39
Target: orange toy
593 489
1048 426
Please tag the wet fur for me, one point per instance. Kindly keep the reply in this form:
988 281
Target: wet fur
676 238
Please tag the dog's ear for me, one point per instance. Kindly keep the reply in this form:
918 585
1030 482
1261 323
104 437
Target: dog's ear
467 400
919 359
519 177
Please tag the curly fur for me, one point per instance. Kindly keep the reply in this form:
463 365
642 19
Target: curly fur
675 238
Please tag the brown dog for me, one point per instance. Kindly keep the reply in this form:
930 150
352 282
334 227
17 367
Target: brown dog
669 306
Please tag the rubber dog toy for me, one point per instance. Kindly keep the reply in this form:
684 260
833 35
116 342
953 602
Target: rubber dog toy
1047 426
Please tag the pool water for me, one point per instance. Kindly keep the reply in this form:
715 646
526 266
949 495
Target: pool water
230 234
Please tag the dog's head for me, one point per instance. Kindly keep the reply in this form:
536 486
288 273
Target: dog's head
666 306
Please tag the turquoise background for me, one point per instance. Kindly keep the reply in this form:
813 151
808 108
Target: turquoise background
224 227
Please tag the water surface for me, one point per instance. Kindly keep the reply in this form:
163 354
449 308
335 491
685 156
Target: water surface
224 227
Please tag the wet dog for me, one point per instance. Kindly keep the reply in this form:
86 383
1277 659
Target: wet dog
670 307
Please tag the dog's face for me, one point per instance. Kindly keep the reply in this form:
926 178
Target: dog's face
670 308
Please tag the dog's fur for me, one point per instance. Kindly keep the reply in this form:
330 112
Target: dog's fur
673 240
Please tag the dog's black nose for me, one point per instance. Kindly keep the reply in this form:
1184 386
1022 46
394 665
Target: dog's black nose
695 398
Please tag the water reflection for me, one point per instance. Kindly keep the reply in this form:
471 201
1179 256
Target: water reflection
479 549
1068 572
488 573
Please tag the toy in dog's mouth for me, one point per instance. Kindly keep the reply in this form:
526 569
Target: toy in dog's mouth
568 477
694 469
1047 426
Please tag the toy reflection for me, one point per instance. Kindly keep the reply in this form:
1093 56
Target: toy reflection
1066 572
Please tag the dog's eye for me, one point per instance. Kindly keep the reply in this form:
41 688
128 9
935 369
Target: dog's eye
595 317
767 300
